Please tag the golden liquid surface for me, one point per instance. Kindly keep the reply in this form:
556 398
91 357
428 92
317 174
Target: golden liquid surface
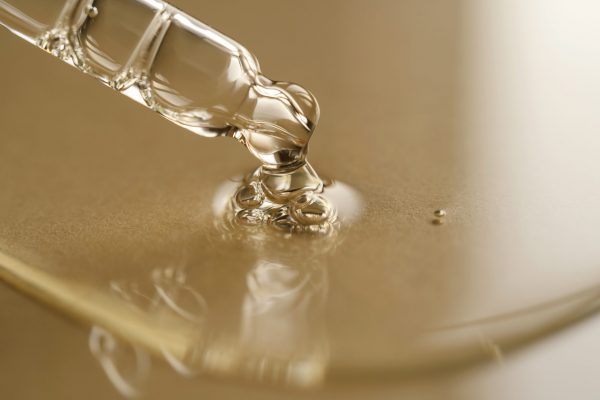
487 112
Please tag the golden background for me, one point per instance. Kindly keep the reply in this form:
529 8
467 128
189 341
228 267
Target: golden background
484 109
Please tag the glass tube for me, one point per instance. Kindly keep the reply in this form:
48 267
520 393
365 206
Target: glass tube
172 63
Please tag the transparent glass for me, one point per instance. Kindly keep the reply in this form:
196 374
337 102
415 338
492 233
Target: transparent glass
174 64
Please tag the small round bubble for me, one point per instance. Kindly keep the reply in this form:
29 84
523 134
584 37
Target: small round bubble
310 209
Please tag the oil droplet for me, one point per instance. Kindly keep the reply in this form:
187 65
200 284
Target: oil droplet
440 213
249 196
283 222
320 213
251 217
281 186
310 209
92 11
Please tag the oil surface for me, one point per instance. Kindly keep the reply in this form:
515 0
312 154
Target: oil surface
471 117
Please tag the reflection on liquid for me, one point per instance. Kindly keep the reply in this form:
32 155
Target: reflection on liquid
496 335
279 336
288 304
126 365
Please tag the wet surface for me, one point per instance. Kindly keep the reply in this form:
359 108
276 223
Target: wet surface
108 216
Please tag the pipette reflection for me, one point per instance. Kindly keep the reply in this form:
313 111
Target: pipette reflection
277 336
259 313
127 364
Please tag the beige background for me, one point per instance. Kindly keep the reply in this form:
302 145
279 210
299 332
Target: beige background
486 109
